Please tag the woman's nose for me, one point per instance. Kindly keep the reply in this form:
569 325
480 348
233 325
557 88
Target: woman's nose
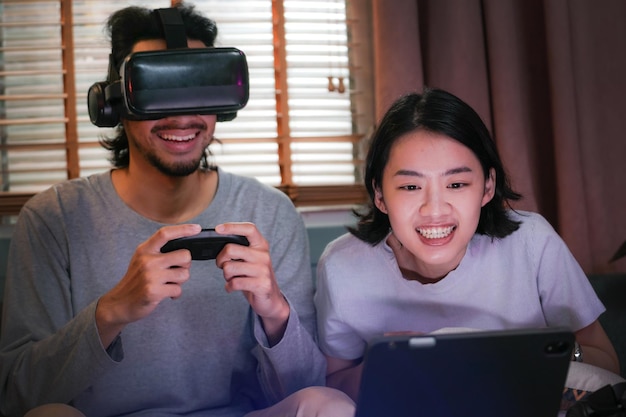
434 203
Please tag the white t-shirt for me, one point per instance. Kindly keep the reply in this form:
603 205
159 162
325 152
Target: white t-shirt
528 279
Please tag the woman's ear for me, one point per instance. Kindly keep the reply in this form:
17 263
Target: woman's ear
378 199
490 187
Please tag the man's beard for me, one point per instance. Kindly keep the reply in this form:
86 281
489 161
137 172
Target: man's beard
176 169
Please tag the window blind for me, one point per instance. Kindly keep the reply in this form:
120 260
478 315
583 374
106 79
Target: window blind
300 131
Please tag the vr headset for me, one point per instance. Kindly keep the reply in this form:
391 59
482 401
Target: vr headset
175 81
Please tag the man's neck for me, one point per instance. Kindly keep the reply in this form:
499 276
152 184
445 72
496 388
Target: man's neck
163 198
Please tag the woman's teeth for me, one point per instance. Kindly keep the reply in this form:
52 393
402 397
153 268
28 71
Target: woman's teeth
435 232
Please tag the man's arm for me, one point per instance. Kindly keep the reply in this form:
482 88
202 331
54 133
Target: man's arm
151 277
47 353
43 335
288 356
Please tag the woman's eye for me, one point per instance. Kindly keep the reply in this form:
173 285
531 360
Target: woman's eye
409 187
457 185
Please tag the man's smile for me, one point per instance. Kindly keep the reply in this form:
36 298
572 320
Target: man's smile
176 138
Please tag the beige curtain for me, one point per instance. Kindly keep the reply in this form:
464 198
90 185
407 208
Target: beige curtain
549 79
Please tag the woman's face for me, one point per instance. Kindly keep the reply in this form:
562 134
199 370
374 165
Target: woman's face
433 188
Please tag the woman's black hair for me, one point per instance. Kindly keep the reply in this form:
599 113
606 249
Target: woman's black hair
130 25
440 112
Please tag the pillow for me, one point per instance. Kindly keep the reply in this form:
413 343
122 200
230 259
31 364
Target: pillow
583 379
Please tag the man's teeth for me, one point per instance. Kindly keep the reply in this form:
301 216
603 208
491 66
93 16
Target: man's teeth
178 138
435 232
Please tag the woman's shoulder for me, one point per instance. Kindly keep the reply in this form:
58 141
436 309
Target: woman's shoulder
346 246
533 234
346 242
531 223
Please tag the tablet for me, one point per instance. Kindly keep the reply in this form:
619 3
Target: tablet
504 373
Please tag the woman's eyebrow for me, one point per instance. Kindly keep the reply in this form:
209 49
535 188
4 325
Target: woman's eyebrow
407 173
458 170
412 173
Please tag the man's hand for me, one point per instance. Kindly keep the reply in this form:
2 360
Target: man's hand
151 277
249 269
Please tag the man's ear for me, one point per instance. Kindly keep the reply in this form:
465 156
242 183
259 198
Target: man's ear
378 199
490 187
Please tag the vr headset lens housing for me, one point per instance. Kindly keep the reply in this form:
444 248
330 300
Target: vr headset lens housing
163 83
170 82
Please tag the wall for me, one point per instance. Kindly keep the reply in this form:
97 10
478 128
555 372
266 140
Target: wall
323 226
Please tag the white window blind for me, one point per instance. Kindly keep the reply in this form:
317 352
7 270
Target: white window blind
300 130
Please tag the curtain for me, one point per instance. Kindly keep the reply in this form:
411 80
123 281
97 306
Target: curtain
548 77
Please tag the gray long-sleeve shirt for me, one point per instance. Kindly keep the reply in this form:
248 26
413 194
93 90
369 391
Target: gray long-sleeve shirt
202 354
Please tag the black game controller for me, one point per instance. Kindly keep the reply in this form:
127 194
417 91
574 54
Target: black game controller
205 245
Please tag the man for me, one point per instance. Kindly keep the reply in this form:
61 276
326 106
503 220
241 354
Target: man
98 318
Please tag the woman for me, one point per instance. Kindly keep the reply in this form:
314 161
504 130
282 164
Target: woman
441 247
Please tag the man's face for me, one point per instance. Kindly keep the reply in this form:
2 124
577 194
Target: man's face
174 145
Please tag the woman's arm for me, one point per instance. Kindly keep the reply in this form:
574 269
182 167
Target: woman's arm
345 375
597 348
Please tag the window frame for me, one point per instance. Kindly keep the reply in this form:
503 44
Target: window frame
302 195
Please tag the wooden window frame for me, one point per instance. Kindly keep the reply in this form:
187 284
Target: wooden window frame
302 195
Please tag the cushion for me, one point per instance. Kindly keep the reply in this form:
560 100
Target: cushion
583 379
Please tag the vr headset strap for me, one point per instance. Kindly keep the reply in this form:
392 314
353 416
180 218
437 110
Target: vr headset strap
173 27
